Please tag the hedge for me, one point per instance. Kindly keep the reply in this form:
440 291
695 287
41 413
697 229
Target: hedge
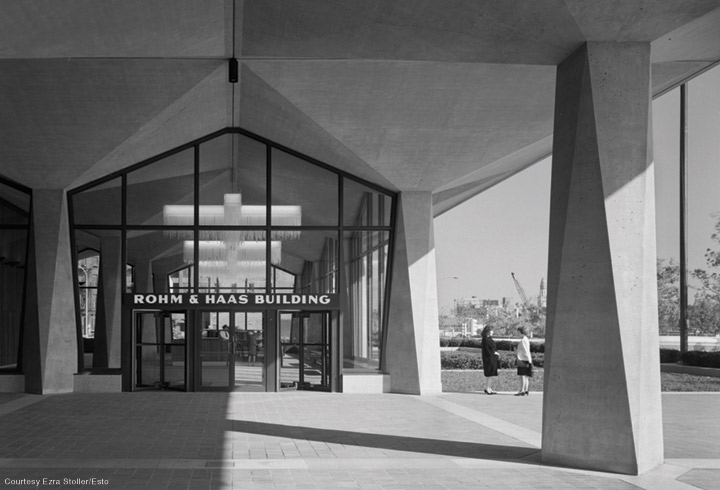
506 347
501 344
473 360
669 356
697 358
701 358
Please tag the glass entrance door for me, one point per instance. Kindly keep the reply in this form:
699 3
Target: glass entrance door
305 350
160 350
231 351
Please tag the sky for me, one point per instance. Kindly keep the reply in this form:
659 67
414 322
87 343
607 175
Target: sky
505 229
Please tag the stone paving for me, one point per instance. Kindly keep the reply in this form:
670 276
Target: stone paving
303 440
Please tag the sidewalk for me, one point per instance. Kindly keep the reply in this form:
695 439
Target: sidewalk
297 440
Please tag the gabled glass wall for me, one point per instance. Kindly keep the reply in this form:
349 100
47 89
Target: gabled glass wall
234 213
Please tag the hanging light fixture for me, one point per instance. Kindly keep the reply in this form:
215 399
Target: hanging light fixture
232 213
232 252
228 274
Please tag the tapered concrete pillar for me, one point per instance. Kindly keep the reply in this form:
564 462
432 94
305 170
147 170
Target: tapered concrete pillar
602 384
412 348
109 327
50 350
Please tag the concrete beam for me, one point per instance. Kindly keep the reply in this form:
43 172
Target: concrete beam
602 386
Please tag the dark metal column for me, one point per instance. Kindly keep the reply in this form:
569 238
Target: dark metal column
683 216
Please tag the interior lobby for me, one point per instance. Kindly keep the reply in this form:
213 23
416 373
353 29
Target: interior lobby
238 195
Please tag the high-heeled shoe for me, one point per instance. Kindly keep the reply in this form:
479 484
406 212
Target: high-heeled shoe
521 393
490 392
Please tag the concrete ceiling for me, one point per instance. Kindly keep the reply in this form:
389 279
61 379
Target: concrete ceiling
447 96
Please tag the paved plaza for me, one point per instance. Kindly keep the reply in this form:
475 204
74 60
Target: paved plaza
304 440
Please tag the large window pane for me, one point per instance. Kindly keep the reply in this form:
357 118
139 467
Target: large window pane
155 255
14 206
666 140
99 205
152 188
312 259
233 261
99 277
299 187
363 206
13 245
88 270
703 247
366 255
234 165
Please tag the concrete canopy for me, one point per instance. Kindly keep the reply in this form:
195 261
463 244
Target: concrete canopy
449 97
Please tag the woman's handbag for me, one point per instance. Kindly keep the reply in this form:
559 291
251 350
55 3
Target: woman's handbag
522 364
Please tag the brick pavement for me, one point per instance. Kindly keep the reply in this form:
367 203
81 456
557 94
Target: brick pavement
297 440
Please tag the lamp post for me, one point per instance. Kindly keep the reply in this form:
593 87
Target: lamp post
455 303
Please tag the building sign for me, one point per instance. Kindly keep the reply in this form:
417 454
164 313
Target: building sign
270 301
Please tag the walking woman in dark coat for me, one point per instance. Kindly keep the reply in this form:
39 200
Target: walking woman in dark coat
489 358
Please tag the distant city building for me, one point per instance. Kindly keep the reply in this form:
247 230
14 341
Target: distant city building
542 297
475 302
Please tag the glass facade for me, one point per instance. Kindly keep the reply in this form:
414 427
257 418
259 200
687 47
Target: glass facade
234 214
686 122
14 225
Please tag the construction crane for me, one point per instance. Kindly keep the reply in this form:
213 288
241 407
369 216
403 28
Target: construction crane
520 291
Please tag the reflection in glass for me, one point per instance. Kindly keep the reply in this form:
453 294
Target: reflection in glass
233 164
313 260
160 350
13 244
155 256
230 263
170 181
301 187
180 281
99 274
666 140
14 206
703 213
366 273
99 205
363 206
88 271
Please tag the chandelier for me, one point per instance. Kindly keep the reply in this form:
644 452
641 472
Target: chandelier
228 274
242 253
232 255
232 213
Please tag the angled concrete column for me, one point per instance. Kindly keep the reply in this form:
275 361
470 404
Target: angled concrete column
109 327
602 383
412 348
53 332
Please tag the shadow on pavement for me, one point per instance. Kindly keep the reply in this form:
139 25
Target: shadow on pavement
439 447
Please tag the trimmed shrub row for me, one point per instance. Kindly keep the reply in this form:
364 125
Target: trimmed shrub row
505 348
697 358
501 344
473 360
701 358
669 356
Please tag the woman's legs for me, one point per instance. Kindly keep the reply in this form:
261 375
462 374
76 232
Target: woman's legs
488 384
524 385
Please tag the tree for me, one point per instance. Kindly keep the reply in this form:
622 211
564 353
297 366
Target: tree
668 280
705 312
